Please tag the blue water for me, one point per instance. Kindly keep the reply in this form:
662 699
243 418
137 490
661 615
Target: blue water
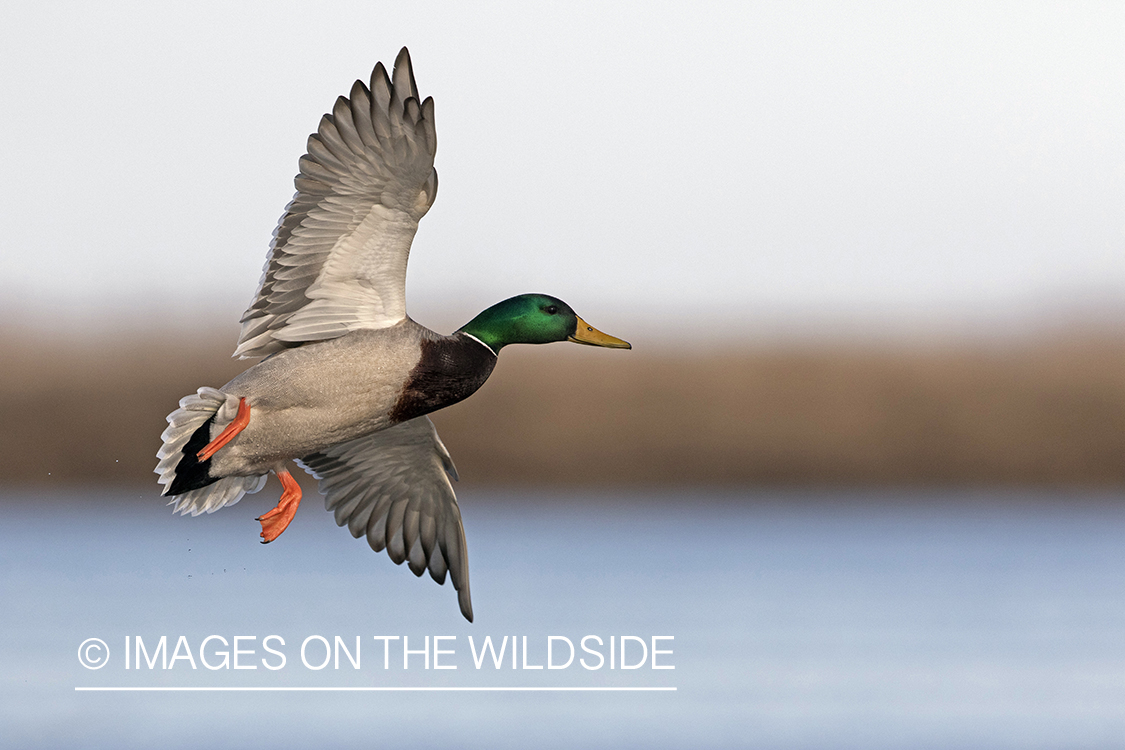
797 621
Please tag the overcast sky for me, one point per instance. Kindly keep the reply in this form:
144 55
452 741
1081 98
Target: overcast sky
732 162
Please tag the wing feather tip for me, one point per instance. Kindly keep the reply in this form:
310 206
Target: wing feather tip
466 604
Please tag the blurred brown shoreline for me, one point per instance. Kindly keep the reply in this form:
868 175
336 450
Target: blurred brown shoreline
1035 412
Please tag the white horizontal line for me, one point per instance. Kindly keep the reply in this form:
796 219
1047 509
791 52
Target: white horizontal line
369 689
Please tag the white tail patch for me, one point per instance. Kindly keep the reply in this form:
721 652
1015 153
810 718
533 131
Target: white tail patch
194 411
226 491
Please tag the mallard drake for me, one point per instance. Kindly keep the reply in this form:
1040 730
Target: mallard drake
347 377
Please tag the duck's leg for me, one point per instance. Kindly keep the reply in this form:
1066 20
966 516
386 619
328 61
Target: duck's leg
237 425
275 522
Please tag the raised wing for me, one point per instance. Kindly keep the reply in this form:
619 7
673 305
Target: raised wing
393 486
338 257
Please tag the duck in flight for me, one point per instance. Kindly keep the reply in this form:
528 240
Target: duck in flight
347 377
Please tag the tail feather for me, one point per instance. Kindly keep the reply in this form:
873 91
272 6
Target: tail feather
190 472
186 479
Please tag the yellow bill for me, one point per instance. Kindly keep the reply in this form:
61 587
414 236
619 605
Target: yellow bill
587 334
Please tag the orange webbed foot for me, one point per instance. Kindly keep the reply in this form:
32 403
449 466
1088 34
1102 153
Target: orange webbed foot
277 520
237 425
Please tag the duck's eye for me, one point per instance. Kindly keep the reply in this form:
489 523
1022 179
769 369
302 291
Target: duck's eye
551 309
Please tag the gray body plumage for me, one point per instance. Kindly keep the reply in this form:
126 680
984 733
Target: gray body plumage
306 399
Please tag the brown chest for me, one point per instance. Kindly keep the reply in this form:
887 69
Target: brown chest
449 370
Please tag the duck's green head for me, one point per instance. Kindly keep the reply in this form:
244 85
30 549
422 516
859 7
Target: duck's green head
535 319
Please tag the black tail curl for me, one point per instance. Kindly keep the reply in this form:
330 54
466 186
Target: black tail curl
191 473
